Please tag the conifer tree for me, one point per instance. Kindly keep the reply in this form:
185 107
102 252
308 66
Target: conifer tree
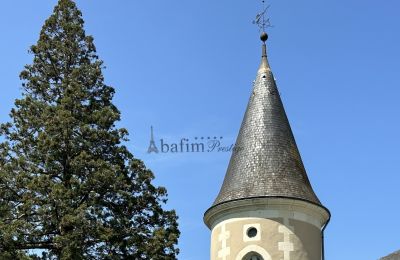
69 188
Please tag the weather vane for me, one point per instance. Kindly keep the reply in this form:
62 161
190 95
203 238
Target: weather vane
261 20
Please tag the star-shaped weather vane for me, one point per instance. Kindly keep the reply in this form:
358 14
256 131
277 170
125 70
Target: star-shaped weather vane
261 20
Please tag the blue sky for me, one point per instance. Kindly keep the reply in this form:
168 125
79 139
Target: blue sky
186 67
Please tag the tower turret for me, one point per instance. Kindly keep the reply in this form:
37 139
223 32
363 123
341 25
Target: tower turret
266 208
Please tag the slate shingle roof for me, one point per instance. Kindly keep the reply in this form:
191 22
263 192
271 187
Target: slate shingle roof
266 162
394 256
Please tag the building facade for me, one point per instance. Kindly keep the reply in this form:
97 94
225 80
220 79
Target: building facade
266 208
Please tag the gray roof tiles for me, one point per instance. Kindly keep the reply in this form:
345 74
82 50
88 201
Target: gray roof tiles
266 161
393 256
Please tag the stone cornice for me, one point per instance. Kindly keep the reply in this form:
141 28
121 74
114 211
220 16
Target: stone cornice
268 207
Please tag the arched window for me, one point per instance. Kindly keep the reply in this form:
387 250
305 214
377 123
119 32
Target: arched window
252 256
251 252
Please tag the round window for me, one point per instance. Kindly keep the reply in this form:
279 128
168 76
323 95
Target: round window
252 232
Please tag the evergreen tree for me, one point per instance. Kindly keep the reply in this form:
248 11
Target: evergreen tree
69 188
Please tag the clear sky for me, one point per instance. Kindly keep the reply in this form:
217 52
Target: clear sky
186 67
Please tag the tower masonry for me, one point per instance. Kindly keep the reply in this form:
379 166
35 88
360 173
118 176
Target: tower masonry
266 208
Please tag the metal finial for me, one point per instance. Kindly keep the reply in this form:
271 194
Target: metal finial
263 22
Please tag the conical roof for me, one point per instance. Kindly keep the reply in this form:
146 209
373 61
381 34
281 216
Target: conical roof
393 256
266 161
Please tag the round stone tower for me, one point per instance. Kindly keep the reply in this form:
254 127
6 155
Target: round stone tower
266 208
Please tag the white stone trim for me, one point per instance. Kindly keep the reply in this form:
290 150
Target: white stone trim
246 227
253 248
286 246
223 238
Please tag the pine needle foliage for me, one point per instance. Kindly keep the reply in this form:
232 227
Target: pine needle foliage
69 188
